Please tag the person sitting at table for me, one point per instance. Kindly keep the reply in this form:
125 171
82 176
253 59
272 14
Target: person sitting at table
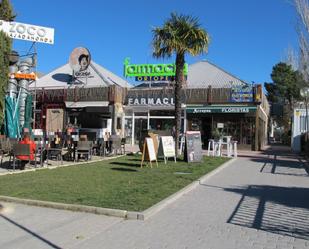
25 159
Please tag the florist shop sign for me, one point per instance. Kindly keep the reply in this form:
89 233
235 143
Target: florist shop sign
221 109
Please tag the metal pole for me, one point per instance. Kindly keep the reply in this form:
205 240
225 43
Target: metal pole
306 120
34 101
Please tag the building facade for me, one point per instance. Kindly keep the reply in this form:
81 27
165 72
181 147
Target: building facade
213 102
299 127
91 99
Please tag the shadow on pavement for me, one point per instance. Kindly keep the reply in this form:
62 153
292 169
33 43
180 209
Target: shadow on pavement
280 160
280 210
52 245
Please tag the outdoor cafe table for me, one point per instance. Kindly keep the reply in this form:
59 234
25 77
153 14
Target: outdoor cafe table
50 150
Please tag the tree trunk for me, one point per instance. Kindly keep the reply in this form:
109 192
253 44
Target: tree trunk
179 81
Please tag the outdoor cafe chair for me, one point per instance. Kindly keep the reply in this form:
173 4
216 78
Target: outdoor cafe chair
83 149
55 151
101 147
20 150
115 144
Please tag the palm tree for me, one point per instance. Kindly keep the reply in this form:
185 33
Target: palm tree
180 35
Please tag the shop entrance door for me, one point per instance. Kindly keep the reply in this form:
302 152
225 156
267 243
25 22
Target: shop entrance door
206 131
140 130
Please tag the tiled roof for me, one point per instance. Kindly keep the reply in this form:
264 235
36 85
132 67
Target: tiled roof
62 77
203 74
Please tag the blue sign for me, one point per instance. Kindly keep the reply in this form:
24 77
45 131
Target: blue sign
242 93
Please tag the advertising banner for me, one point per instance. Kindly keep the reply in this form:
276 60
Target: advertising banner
28 32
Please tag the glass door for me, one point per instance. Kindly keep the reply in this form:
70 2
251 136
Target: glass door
140 130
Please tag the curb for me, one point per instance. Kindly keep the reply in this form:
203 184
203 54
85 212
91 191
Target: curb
71 207
58 166
131 215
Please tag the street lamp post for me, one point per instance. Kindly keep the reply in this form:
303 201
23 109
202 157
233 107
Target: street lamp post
304 92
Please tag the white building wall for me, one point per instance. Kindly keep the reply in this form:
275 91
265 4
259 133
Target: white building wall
298 127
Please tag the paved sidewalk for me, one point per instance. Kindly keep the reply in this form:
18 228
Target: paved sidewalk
259 201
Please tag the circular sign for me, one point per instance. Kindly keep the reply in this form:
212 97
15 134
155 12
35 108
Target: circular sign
79 59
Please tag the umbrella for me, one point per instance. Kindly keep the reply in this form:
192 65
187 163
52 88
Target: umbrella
11 113
28 113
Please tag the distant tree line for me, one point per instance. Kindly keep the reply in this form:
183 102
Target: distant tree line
6 14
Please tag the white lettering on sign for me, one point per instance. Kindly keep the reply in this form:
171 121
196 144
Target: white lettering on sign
136 102
201 111
143 101
27 32
158 102
236 109
151 101
222 110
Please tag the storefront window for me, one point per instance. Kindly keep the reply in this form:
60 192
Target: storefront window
164 113
161 124
240 128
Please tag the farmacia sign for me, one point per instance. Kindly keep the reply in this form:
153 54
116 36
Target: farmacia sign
151 101
150 70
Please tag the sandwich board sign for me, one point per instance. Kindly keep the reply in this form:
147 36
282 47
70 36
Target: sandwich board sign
193 147
167 148
149 153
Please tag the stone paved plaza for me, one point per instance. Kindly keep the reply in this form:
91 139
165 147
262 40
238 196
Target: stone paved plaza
260 201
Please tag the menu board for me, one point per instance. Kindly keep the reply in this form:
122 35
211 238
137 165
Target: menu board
167 147
151 149
193 147
149 153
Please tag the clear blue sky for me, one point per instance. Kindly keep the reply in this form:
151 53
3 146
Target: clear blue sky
247 36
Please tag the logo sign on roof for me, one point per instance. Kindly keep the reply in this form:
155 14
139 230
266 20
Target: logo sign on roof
149 72
28 32
79 62
242 93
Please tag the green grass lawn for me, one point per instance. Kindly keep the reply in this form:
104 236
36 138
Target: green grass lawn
118 183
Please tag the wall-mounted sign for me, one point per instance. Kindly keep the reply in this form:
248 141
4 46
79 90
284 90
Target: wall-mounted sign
29 76
242 93
220 125
258 94
156 78
79 61
28 32
140 70
221 109
164 101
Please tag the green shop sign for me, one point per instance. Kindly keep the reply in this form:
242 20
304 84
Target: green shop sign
221 109
151 70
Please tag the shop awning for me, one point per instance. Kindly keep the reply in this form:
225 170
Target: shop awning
82 104
220 109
